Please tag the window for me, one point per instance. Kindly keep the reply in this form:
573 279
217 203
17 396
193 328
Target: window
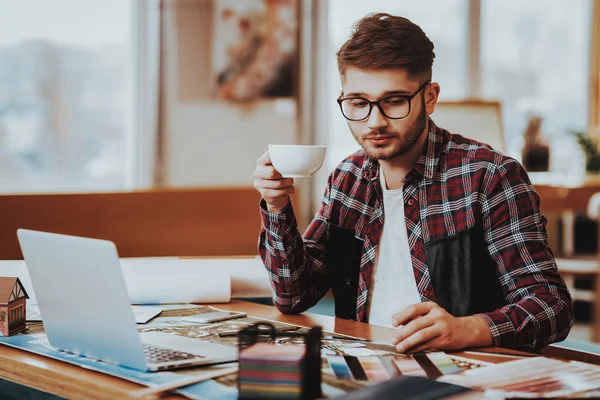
535 58
67 98
444 22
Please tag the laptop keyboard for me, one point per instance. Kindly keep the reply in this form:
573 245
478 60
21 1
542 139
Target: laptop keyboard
160 354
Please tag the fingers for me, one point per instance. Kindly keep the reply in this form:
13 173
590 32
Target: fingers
265 159
430 345
418 339
411 312
272 195
413 327
269 186
276 183
266 172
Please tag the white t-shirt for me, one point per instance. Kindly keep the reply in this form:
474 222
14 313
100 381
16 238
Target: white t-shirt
393 286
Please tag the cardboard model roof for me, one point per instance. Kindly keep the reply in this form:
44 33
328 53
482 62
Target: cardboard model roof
11 289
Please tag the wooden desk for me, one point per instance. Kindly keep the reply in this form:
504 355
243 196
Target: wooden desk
73 382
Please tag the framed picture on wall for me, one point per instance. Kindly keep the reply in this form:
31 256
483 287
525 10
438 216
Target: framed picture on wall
254 49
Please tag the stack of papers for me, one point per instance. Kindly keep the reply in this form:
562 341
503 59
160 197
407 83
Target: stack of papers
535 377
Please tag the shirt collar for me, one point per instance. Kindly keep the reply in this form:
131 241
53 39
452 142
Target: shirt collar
428 161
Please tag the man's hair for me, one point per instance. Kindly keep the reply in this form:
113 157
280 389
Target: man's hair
386 41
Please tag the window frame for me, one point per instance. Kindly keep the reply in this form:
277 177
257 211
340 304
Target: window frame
143 143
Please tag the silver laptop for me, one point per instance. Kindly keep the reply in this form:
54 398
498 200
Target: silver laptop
86 309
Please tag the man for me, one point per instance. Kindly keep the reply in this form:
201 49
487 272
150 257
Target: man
424 230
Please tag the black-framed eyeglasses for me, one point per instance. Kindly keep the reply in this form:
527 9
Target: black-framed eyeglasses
394 106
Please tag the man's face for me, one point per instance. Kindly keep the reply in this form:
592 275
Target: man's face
384 138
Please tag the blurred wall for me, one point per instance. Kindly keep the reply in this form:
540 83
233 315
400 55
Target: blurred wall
208 142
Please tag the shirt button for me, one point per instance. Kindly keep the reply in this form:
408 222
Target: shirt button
426 293
411 202
415 247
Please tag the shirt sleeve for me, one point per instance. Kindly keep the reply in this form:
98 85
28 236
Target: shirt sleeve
296 264
540 308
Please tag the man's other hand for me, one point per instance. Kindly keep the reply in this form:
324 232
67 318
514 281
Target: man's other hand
427 326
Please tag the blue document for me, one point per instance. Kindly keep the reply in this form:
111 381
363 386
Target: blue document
38 344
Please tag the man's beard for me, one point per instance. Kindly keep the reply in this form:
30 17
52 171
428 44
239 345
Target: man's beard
401 142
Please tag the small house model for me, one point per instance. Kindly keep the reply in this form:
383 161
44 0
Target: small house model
12 306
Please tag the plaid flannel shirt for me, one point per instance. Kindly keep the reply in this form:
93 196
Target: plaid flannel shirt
455 184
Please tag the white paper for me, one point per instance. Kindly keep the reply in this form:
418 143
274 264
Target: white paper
177 287
32 313
141 314
156 280
249 278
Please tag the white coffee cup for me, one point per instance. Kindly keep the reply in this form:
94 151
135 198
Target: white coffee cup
296 161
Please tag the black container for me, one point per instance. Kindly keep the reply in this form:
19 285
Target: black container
536 158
